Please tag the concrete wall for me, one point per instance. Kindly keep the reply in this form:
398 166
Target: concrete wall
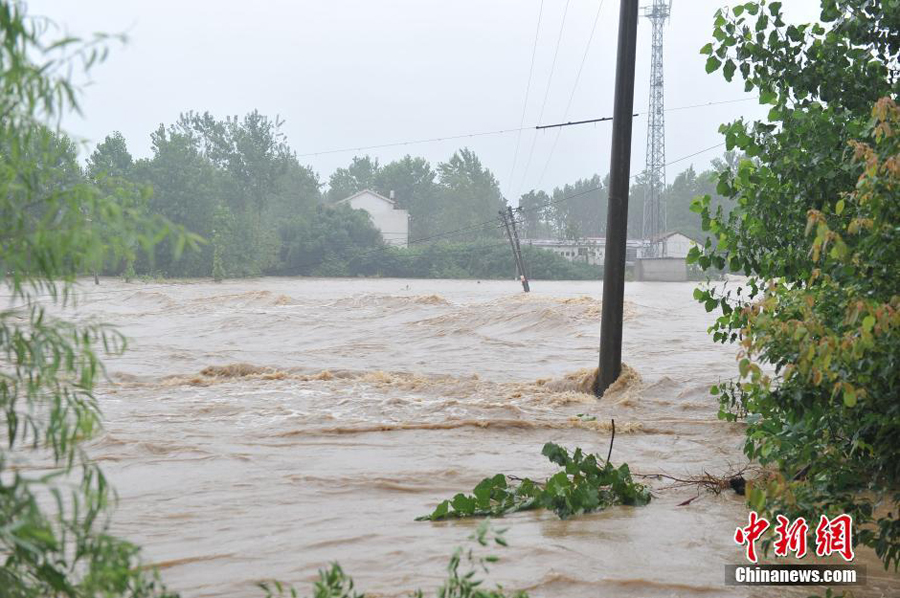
393 223
661 269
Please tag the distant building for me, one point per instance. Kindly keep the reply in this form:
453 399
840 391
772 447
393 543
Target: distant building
592 250
672 265
387 218
587 250
677 244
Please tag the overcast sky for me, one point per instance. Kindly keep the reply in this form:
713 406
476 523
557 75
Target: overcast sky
351 73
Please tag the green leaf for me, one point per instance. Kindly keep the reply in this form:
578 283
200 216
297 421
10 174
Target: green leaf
849 397
729 69
56 579
707 49
441 511
868 323
693 256
712 63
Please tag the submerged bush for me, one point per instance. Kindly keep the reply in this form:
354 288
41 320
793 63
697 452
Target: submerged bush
582 486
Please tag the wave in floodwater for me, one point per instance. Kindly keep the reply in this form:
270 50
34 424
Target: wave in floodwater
262 429
424 402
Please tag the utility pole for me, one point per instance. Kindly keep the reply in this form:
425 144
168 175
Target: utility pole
509 224
654 206
617 214
523 276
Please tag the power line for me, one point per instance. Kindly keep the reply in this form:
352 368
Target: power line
525 103
495 132
703 151
575 122
705 104
562 27
412 142
572 95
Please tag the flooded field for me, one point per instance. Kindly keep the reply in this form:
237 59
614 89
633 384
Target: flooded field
263 428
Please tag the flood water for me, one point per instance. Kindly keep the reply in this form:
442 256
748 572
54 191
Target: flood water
264 428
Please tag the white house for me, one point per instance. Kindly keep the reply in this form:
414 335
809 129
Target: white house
676 244
387 218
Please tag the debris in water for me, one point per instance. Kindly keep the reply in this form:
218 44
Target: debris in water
738 484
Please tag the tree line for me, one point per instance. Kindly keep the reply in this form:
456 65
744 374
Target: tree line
237 184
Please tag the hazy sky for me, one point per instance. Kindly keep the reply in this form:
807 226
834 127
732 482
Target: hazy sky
351 73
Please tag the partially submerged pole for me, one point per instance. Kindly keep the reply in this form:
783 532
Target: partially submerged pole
508 223
523 277
617 214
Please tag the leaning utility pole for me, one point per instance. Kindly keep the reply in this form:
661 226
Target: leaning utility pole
523 276
617 213
654 206
509 223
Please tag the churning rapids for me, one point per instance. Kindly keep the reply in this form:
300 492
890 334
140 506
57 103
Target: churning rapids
264 428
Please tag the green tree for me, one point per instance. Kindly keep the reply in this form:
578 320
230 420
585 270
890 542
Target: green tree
297 191
679 196
252 150
817 321
54 501
362 173
821 84
253 164
234 181
470 194
328 242
579 210
186 189
535 209
110 158
413 182
109 167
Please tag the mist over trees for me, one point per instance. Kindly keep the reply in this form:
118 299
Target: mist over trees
238 184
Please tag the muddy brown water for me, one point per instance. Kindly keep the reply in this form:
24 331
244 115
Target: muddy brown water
262 429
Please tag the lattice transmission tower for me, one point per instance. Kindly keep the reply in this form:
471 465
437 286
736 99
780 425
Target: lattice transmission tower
654 203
